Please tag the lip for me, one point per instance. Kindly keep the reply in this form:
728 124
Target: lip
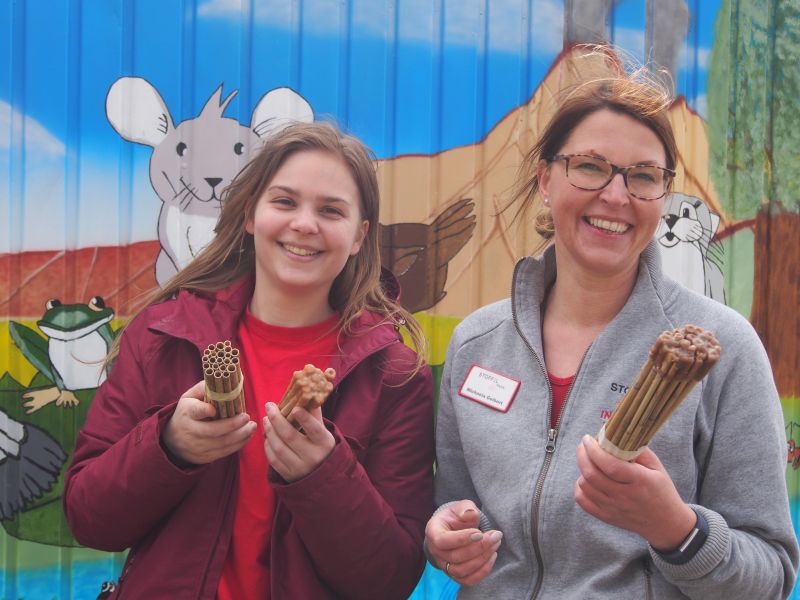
607 226
290 249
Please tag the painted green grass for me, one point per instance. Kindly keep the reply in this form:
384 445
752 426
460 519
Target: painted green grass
43 521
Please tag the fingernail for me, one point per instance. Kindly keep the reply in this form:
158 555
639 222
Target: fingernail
476 537
493 558
467 511
495 536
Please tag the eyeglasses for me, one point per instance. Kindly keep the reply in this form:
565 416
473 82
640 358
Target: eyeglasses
592 173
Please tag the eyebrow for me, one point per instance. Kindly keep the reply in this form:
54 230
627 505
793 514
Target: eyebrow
293 192
650 163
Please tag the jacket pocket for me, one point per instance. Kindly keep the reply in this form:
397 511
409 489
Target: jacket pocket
356 447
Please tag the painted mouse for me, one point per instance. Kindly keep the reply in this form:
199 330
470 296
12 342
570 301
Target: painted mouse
194 161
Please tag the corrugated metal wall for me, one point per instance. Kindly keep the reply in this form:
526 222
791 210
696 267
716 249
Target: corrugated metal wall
449 94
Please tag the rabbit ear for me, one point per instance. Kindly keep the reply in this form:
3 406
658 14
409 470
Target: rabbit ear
277 109
136 111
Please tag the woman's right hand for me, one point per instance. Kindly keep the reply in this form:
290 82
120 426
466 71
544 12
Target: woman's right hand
193 439
458 547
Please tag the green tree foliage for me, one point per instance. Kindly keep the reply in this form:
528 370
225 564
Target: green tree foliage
754 106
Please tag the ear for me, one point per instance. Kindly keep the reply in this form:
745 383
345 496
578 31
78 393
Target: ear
714 223
277 109
137 112
249 226
361 235
543 177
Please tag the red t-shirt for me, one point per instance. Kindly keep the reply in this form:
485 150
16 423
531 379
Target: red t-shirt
560 387
269 356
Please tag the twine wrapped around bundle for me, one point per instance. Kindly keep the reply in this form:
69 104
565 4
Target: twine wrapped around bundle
678 360
222 374
309 388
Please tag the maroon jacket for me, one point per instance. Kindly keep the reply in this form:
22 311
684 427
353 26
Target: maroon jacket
353 528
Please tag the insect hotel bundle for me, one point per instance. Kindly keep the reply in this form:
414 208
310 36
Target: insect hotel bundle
223 377
309 388
678 360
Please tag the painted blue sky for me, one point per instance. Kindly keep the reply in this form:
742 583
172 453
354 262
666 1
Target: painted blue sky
408 77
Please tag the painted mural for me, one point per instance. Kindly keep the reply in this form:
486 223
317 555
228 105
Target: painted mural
122 123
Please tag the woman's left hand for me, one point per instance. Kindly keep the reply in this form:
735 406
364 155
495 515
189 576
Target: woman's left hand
291 453
638 496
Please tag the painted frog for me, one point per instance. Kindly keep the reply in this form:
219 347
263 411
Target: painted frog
79 337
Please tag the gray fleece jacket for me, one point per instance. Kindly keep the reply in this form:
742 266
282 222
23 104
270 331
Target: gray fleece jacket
724 447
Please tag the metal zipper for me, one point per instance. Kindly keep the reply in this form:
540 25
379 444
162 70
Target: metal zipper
550 446
234 475
647 581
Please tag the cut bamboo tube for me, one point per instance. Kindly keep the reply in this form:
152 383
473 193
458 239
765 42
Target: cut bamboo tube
677 361
223 378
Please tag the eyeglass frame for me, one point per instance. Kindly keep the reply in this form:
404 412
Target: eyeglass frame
614 170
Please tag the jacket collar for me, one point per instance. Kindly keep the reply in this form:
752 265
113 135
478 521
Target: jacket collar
203 318
533 276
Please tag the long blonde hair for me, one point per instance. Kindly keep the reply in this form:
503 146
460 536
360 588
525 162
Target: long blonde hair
231 254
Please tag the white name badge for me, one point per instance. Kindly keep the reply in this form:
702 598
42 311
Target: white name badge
487 387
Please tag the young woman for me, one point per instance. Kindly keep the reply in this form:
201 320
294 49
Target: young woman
250 507
703 513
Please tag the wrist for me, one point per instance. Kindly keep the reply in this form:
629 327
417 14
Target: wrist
690 545
674 531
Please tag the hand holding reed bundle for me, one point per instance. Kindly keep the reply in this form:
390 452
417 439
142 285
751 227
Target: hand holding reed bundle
223 377
678 360
309 388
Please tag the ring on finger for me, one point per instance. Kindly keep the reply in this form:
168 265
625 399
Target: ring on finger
447 568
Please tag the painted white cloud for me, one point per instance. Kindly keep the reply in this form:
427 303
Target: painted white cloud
687 57
463 24
700 105
631 41
220 8
37 141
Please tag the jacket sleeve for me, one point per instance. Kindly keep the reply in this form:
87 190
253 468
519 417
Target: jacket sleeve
452 481
121 483
751 550
363 522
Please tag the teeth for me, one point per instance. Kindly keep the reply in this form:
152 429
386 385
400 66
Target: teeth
610 226
300 251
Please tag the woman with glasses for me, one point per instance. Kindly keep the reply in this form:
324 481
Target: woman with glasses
530 506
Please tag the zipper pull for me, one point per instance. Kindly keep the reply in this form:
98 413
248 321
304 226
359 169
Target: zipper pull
551 441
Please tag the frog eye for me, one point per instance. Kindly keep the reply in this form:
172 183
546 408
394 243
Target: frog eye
238 148
180 149
52 303
97 303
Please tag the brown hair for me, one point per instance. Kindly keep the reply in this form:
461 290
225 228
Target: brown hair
231 254
638 94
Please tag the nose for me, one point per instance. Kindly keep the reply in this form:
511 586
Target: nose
615 193
304 221
213 181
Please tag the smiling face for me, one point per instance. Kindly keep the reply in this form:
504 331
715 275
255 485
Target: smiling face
604 231
306 224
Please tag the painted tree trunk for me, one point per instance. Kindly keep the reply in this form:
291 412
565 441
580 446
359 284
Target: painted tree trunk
776 294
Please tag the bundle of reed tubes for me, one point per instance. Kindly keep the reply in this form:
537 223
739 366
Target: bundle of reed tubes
222 374
677 361
309 388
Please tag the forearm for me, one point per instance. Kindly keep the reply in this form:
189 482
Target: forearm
732 564
116 493
361 545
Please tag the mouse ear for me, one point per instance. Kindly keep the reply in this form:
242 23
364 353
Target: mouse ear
137 112
277 109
